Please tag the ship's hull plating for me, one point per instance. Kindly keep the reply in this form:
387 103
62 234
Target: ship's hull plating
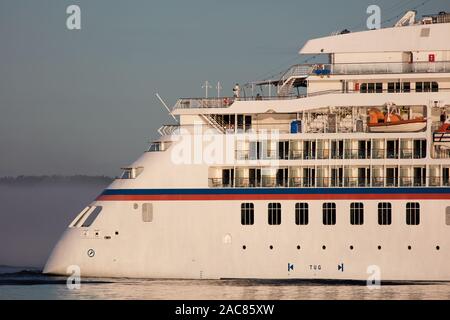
205 239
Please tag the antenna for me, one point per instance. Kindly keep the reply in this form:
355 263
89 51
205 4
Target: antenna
206 86
218 87
165 106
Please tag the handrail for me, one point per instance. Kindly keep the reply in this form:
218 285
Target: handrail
371 67
329 182
188 103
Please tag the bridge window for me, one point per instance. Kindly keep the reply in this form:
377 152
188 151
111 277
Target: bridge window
413 213
384 213
92 216
274 215
131 173
158 146
357 213
247 213
329 213
301 213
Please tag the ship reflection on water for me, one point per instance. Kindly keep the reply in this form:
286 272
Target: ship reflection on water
32 285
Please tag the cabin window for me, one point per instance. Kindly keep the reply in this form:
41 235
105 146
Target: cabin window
420 176
427 86
363 88
274 214
434 87
147 212
419 86
301 213
92 216
378 87
413 213
420 149
384 213
247 214
394 87
357 213
406 87
131 173
329 213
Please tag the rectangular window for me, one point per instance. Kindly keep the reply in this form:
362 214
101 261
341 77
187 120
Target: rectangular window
147 212
329 213
378 87
371 87
413 213
420 149
434 87
363 88
247 214
274 213
357 213
391 87
419 86
131 173
301 213
92 216
406 87
384 213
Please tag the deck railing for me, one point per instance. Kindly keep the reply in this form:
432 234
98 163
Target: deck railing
366 68
328 182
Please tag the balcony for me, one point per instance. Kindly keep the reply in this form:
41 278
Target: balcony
366 68
327 182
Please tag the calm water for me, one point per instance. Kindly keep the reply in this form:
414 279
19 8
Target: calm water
33 285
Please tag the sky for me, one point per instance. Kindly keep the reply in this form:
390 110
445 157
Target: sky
82 101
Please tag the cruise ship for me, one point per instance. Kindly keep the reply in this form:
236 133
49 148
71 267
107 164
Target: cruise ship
338 170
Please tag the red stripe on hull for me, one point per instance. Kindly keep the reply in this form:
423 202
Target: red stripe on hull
215 197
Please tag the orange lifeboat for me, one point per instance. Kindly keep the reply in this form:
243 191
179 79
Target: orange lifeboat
392 122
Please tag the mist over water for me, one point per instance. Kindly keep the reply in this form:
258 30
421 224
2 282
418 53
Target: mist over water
34 212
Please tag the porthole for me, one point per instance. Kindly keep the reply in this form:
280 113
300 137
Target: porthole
135 206
324 247
437 247
409 247
298 247
244 247
271 247
351 247
379 247
117 233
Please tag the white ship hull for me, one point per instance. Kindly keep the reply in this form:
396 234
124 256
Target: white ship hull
185 240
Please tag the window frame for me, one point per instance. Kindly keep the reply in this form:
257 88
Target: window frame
329 213
412 213
302 213
247 213
274 213
384 208
357 213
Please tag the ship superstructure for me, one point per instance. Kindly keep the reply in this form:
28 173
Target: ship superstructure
342 171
